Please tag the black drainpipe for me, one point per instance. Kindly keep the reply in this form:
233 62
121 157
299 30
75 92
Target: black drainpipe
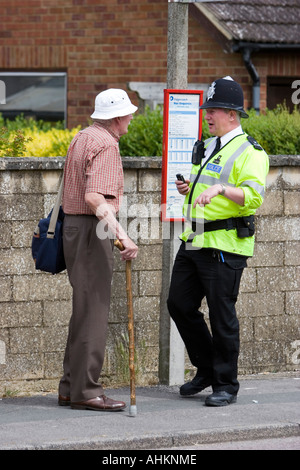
246 52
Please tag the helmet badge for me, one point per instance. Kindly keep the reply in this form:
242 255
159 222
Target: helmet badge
211 91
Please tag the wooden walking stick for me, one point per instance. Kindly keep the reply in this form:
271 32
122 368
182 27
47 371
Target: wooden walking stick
132 408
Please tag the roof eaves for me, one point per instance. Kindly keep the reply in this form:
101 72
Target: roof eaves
212 18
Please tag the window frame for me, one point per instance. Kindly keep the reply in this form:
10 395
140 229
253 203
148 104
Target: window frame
21 73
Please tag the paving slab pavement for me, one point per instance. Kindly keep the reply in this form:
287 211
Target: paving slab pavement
266 408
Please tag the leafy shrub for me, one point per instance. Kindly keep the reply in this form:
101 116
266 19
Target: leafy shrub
27 137
20 122
13 143
277 131
144 137
50 143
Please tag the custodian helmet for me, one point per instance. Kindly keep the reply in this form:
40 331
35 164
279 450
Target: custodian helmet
225 93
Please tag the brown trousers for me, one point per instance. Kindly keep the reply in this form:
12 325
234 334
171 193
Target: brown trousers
89 262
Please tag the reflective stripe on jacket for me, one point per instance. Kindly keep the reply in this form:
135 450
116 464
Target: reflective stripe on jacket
238 164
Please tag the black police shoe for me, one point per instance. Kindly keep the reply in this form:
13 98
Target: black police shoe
220 398
195 386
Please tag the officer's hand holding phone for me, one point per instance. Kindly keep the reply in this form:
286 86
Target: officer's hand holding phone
182 184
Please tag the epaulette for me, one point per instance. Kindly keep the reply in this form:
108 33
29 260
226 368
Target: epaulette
254 143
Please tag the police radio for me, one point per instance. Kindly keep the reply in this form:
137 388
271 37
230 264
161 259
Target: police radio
198 152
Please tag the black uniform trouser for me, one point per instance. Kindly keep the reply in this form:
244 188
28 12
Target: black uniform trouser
199 273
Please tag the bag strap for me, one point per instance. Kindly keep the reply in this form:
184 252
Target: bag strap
55 211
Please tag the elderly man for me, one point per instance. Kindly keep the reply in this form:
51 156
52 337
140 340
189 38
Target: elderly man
225 188
93 188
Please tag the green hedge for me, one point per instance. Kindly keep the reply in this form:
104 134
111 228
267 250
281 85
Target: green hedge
27 137
277 131
145 135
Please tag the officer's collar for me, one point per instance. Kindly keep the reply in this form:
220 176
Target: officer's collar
230 135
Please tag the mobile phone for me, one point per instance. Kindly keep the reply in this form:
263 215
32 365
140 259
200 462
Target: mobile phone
180 177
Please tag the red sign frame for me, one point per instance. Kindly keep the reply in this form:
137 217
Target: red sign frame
188 153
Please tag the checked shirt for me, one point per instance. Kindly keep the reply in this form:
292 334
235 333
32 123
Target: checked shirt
93 165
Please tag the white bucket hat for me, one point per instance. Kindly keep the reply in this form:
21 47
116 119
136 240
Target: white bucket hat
112 103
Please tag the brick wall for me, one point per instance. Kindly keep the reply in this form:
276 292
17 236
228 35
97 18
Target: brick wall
110 43
35 307
100 44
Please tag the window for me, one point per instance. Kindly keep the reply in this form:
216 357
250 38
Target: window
280 90
39 95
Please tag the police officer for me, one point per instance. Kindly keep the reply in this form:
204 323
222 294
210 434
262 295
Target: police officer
226 187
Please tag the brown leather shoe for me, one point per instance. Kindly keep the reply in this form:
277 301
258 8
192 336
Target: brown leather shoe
101 403
64 401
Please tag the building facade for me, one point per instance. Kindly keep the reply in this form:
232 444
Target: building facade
55 57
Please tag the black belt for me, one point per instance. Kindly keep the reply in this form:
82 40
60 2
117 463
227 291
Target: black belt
244 225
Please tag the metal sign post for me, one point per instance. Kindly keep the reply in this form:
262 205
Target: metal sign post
171 347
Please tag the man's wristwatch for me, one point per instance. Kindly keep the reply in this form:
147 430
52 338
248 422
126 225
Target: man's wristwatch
223 189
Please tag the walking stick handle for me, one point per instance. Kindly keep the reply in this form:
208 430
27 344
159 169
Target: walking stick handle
119 245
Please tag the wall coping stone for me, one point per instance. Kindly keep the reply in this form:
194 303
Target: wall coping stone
57 163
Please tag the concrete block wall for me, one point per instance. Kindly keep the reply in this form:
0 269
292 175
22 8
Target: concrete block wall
35 307
269 302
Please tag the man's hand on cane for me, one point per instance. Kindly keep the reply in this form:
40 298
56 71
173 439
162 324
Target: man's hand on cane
130 249
104 212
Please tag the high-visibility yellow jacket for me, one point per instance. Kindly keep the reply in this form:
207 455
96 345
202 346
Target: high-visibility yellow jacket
240 163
